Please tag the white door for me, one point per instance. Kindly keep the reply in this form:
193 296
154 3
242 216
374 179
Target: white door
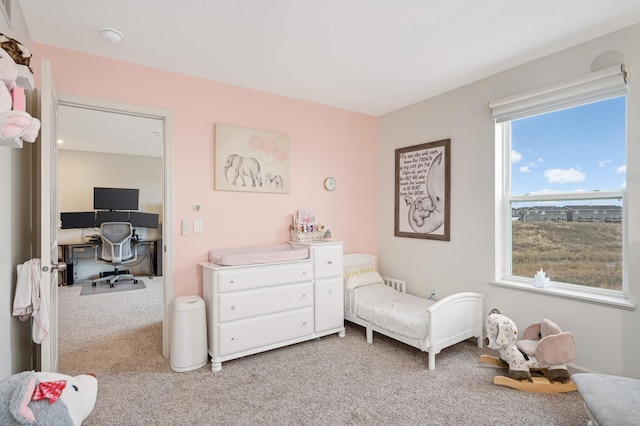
48 247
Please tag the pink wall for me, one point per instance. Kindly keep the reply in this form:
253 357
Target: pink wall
324 142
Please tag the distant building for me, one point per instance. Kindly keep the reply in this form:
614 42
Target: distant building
540 214
568 214
596 213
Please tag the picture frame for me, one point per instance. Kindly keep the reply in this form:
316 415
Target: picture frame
422 191
251 160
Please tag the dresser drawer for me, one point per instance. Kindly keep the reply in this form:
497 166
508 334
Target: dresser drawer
327 261
250 303
263 276
254 333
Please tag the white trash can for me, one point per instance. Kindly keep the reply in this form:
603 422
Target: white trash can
189 334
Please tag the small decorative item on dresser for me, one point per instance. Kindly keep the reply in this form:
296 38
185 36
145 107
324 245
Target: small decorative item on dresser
305 227
297 235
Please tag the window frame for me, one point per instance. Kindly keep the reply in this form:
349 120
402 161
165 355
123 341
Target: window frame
503 271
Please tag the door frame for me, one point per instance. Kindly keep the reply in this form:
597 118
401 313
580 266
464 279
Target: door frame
45 221
166 116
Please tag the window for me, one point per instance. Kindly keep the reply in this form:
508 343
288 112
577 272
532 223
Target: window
563 174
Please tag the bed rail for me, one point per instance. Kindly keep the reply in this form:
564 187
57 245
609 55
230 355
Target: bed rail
398 285
350 301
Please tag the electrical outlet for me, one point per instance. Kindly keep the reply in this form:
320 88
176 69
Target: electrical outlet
185 227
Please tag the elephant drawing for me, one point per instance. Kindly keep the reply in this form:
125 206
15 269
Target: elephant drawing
241 167
274 180
426 214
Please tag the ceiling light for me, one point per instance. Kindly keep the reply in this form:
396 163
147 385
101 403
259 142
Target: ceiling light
111 34
60 141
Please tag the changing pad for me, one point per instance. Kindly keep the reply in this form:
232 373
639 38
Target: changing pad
252 255
400 313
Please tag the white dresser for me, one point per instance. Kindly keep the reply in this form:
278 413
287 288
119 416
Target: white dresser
260 307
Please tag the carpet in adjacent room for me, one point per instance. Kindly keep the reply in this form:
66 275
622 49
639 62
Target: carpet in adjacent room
102 288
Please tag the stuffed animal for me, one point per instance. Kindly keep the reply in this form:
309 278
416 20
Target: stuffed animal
543 346
13 124
17 50
38 398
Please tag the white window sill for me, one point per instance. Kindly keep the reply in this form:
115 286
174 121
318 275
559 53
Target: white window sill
614 301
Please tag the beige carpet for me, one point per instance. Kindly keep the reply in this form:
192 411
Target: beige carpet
101 288
325 381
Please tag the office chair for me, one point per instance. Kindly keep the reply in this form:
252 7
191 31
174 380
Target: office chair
116 250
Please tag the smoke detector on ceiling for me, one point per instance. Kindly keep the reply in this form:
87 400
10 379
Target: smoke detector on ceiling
111 34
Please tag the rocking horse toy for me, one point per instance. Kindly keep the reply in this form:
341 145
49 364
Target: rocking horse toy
544 350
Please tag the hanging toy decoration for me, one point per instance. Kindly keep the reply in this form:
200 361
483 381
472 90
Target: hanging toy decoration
16 125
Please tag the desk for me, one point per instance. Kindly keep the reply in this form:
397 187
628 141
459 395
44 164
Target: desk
70 253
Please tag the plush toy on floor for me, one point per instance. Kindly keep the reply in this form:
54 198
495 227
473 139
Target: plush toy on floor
37 398
543 348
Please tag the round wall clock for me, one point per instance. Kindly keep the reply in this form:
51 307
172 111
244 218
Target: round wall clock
330 184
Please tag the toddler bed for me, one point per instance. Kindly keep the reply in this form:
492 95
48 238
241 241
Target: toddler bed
382 305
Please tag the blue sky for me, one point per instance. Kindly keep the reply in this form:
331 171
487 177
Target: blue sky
578 149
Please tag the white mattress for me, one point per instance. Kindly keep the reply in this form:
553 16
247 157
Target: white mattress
387 308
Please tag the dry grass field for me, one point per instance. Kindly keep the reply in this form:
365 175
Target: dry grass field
586 253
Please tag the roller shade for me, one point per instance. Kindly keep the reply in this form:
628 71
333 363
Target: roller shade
591 87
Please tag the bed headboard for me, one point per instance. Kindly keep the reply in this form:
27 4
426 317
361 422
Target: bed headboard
354 259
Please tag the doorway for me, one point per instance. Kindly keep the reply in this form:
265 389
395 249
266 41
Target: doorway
129 136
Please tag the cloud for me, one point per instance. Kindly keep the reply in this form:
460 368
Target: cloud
515 156
540 160
603 163
623 185
525 169
564 175
532 164
621 170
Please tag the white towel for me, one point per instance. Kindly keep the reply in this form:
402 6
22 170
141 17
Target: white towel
28 301
22 304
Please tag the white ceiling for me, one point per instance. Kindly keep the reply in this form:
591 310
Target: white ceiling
92 130
368 56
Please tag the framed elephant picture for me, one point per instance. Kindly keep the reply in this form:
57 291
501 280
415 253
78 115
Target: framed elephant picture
251 160
422 191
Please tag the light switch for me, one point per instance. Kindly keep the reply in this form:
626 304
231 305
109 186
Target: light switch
185 227
197 226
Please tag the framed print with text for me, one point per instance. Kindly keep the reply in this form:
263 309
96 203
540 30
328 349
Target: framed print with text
422 201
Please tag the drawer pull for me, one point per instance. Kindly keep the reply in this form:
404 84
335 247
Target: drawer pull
304 323
304 296
233 308
330 292
330 262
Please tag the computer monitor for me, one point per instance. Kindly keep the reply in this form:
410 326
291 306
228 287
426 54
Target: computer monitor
143 220
72 220
103 216
115 198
